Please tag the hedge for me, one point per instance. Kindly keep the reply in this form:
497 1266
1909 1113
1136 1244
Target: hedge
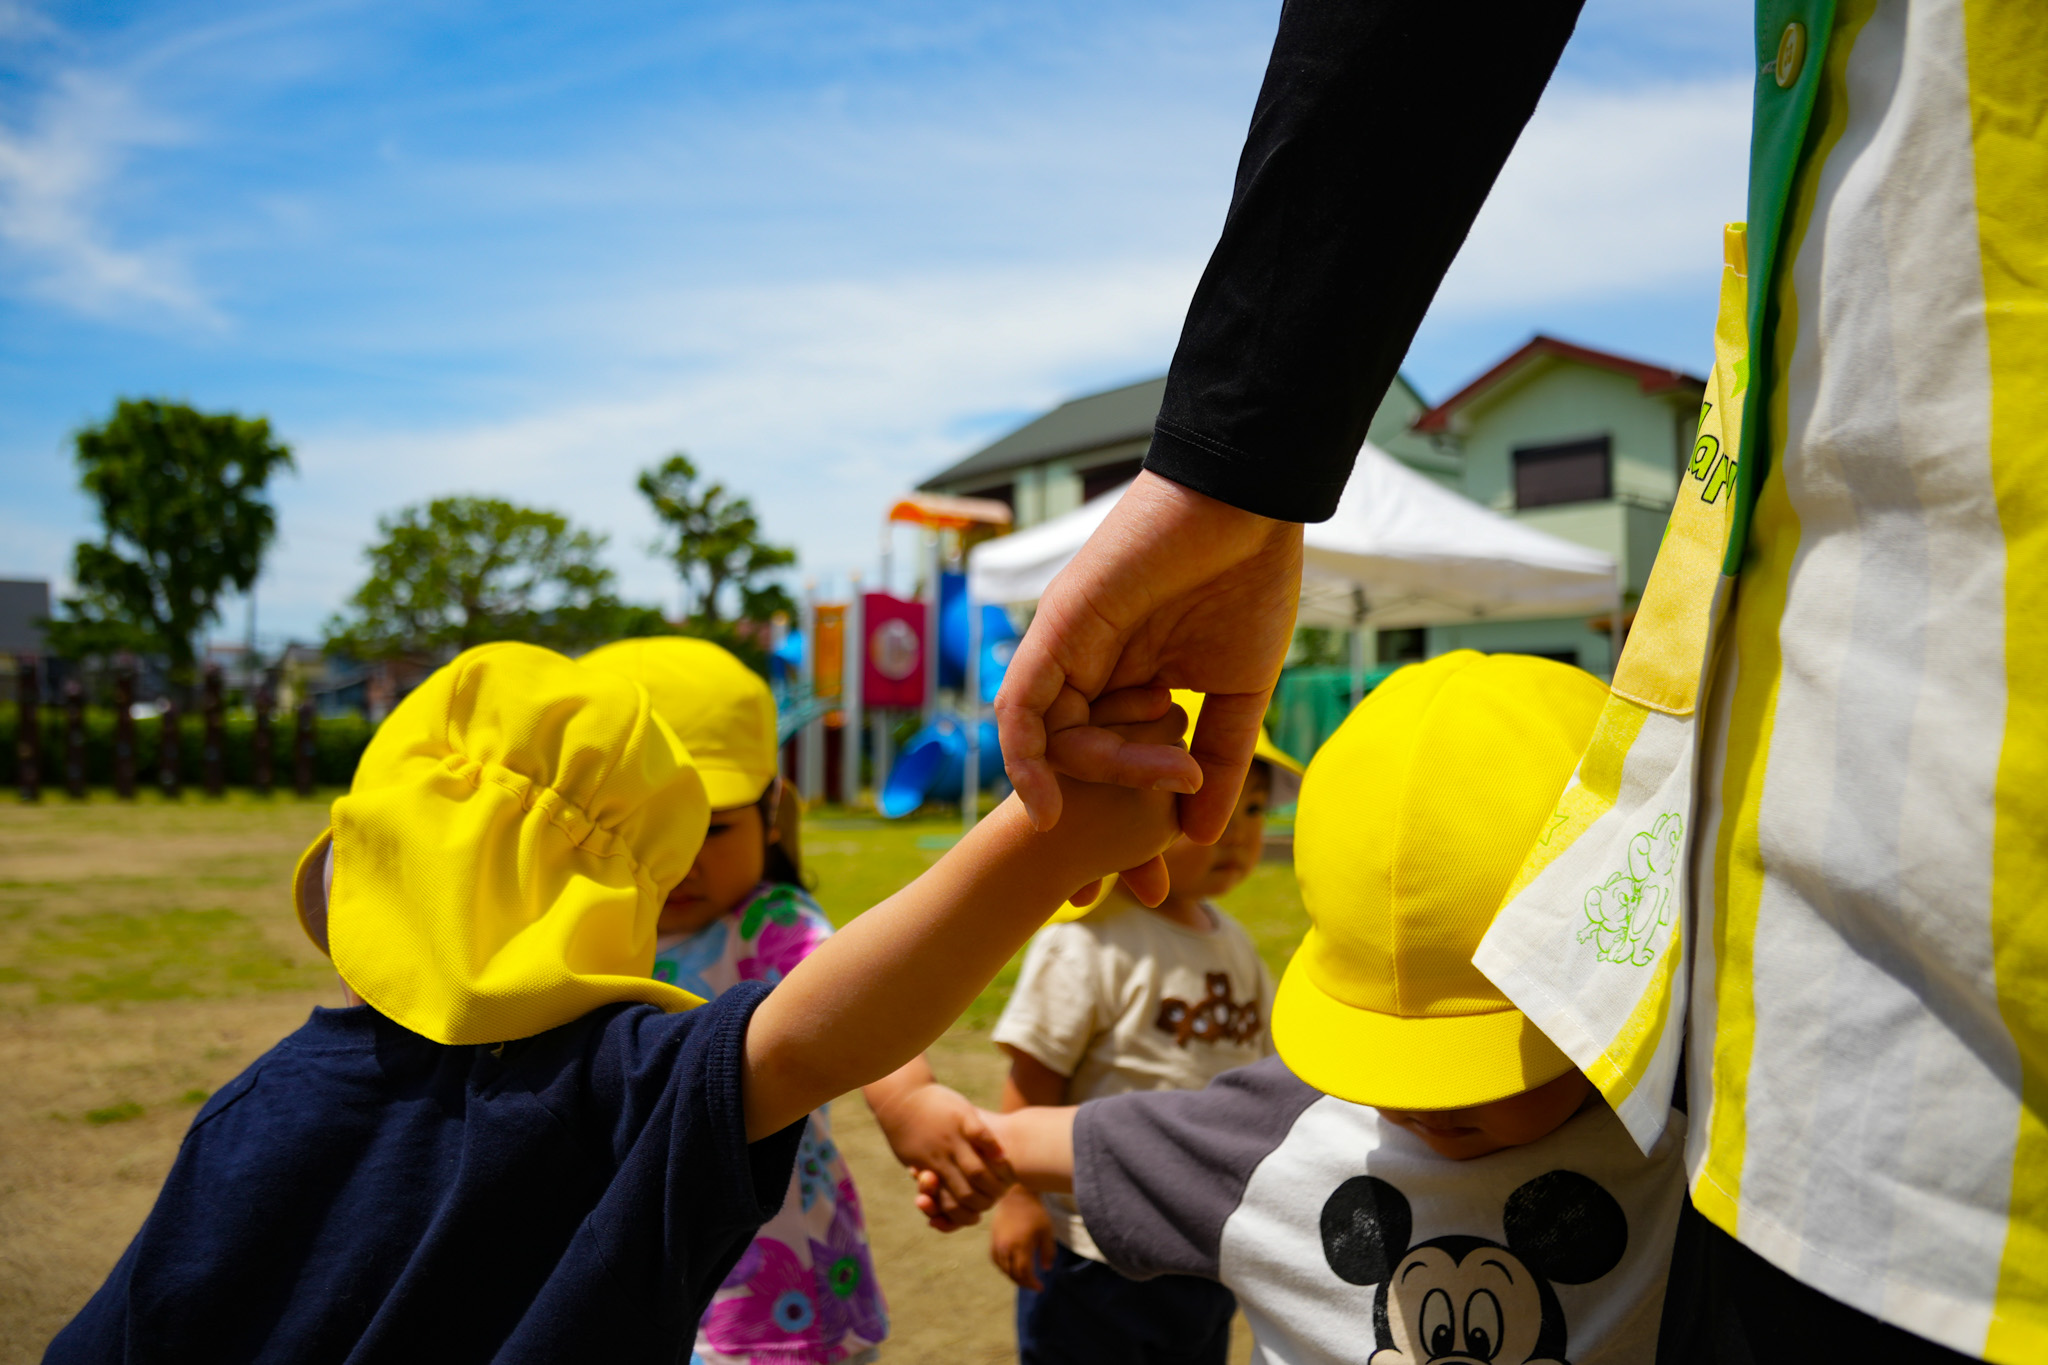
338 743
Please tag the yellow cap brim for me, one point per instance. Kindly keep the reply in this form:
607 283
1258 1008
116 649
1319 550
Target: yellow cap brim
1394 1061
306 882
728 788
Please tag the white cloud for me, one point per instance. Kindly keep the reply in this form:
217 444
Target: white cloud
1608 194
55 173
823 402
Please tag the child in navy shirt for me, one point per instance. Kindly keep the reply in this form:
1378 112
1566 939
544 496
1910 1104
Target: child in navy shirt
514 1144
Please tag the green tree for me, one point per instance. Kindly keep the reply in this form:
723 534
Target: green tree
183 518
465 571
714 540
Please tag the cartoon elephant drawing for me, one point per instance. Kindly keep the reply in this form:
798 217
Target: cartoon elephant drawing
1463 1300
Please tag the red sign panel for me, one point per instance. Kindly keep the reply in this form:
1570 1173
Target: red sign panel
892 671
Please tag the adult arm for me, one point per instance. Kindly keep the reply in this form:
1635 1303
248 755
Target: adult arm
1380 128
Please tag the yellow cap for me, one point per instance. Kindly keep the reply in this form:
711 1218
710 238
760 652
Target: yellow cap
720 709
1414 818
1286 768
501 858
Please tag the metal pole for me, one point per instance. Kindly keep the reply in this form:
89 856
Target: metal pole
935 568
810 752
852 650
970 776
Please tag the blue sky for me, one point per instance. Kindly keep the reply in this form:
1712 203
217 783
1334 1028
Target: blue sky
527 249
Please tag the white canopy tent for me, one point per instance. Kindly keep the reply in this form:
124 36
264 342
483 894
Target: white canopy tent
1401 551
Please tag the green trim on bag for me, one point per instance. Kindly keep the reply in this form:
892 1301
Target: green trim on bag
1777 147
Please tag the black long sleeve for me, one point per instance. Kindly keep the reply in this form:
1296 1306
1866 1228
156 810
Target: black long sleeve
1380 128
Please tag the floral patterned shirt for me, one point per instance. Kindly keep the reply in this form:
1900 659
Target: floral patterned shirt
804 1293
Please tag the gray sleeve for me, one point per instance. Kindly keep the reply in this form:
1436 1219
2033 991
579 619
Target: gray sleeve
1157 1173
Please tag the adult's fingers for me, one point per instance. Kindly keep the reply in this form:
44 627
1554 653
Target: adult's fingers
1032 684
1225 735
1148 881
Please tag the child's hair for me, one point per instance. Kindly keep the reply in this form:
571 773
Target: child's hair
782 811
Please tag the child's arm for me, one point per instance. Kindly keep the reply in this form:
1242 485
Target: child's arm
932 1128
1038 1140
881 989
1020 1239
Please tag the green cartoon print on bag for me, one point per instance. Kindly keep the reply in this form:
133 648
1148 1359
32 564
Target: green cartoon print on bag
1626 914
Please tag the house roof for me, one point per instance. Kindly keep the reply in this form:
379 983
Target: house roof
1111 418
1654 379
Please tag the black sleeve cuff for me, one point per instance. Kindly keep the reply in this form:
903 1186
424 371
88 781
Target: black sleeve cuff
1264 487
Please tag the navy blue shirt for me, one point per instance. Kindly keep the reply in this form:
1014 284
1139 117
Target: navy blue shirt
362 1194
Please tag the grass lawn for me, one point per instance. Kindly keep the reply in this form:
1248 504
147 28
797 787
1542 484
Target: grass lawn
148 953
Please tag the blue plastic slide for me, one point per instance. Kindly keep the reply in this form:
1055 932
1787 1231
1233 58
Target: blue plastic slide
933 765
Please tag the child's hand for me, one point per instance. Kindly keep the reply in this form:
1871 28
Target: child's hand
1020 1239
1121 830
933 1129
941 1212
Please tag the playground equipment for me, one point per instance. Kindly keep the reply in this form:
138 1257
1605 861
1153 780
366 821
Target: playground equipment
933 766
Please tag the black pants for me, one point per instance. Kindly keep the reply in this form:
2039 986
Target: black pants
1726 1305
1087 1314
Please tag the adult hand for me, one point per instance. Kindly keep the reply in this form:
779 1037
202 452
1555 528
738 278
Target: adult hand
1174 589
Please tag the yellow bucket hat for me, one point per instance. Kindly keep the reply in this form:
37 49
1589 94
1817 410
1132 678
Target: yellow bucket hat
501 858
720 709
1287 770
1414 818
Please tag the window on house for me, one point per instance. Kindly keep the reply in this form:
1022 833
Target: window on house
1575 471
1403 646
1004 493
1104 477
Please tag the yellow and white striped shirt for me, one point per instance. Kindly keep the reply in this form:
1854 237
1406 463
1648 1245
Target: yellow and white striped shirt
1869 1008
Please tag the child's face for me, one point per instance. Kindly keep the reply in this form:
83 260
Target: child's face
1203 870
734 856
1484 1129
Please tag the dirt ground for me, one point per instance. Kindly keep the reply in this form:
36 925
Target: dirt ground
147 954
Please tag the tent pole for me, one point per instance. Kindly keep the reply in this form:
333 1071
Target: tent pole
852 651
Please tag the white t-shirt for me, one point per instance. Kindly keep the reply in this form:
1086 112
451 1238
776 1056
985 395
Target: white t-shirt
1126 1000
1346 1239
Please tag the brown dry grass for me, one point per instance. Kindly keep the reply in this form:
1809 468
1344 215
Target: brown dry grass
148 953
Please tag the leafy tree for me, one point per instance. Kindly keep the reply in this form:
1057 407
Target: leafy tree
465 571
714 540
183 518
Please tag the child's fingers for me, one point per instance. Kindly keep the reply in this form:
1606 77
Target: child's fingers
990 1151
1094 754
985 1183
1132 706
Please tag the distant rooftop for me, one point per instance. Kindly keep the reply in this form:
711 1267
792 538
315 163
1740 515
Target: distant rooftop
1112 418
1653 379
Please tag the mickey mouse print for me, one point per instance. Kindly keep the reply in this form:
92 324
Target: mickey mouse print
1464 1300
1347 1240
